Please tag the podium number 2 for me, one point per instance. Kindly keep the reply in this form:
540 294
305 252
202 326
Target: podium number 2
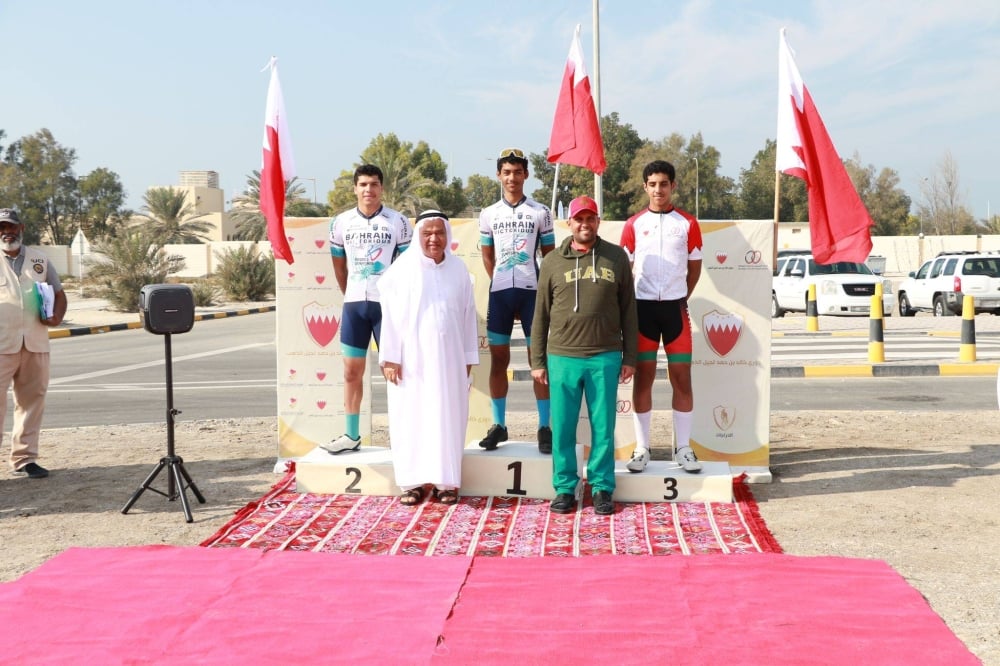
352 487
670 485
517 489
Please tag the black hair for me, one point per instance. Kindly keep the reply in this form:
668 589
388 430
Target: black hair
368 170
512 159
659 166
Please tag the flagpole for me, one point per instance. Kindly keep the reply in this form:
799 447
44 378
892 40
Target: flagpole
598 190
555 189
777 205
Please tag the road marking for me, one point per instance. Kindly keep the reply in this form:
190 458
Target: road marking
153 364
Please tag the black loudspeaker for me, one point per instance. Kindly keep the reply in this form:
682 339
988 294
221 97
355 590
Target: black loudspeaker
166 308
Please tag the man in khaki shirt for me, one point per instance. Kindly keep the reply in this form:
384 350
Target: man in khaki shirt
24 340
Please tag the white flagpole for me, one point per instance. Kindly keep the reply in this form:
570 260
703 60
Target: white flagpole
598 193
555 189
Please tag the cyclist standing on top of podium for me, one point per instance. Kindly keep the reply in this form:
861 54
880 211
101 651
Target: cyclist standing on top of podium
511 231
363 242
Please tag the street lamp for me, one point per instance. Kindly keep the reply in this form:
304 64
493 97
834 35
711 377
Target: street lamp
314 187
696 187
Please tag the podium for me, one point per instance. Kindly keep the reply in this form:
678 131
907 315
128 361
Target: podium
514 469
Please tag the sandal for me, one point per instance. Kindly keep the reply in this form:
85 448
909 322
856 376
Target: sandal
412 497
448 496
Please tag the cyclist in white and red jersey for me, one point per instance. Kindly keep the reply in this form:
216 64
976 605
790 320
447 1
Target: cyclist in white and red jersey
664 244
363 242
511 231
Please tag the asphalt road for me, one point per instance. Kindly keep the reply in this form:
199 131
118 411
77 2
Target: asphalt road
225 368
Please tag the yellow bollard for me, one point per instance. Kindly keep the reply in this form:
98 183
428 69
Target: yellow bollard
812 319
967 350
876 339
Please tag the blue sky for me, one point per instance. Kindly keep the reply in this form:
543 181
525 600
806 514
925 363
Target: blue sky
149 89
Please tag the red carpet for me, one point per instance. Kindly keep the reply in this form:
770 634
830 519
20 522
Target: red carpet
212 606
491 526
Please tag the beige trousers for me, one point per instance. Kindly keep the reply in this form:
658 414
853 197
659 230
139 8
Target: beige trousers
29 373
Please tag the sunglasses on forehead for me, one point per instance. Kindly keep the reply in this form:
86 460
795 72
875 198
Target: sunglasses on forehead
512 152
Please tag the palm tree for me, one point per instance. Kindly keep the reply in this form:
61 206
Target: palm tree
250 222
124 263
171 219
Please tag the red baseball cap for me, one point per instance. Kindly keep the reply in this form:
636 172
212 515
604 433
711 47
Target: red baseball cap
582 204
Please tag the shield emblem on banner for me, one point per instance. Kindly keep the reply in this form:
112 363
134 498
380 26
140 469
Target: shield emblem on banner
722 331
724 417
321 322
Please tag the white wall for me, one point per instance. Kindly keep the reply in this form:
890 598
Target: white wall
200 258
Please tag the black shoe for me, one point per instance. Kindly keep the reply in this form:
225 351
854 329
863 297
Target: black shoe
496 434
563 503
545 440
603 504
32 471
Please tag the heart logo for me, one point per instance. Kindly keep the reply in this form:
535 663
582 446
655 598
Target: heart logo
320 375
291 373
454 246
721 257
320 278
291 239
292 401
321 404
722 331
320 242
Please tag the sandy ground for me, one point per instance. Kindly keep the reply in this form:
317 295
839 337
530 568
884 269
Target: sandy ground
915 490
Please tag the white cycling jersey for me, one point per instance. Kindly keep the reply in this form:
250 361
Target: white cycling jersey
369 244
516 233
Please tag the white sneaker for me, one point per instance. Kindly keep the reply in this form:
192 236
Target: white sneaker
638 462
341 444
687 459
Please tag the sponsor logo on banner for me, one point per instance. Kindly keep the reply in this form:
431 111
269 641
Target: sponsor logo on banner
321 375
722 331
320 242
321 322
321 404
454 245
724 417
721 257
291 373
291 276
752 257
320 278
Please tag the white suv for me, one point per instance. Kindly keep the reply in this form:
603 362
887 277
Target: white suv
941 283
842 288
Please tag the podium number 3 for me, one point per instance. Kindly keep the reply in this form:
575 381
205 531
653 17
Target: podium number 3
670 485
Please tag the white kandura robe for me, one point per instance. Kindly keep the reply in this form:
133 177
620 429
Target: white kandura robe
429 328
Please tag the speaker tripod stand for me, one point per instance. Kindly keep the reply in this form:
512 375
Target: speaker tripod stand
178 479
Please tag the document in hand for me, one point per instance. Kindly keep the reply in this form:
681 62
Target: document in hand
46 299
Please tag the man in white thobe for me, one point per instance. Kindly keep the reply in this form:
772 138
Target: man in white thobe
428 347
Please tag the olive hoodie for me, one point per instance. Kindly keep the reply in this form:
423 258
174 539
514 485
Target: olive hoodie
585 304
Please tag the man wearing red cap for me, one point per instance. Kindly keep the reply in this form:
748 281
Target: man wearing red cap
24 339
664 245
584 345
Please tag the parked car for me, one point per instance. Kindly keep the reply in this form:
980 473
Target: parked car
842 288
940 285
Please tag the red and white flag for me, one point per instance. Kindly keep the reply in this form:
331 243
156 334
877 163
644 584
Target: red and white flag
576 132
278 167
839 223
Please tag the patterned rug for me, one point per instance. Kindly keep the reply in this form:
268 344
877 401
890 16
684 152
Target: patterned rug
492 526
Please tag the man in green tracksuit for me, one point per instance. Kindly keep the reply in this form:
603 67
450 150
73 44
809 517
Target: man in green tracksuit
584 343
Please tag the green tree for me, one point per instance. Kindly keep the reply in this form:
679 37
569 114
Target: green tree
100 200
481 191
250 222
755 199
169 218
127 262
37 178
413 178
885 200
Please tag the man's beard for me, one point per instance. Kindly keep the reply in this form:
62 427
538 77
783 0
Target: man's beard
11 246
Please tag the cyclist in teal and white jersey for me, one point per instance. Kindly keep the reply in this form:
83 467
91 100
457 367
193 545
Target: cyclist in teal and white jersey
511 232
363 242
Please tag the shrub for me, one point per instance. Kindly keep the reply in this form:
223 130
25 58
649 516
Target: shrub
244 274
205 293
127 262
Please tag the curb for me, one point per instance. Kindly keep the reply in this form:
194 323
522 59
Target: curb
832 371
107 328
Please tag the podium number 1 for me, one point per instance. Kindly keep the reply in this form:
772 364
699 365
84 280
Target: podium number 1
517 489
